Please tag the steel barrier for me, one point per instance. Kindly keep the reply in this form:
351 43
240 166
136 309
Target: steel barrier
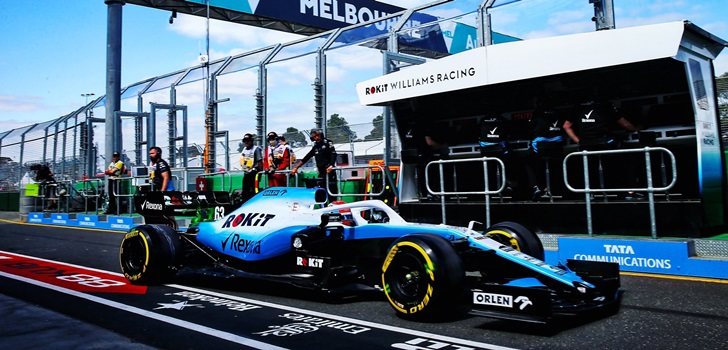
486 192
223 173
339 170
648 170
116 191
96 194
287 172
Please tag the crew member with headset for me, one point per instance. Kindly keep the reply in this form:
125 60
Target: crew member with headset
325 155
251 161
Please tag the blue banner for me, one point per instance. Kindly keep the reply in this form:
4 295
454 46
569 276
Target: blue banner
329 14
649 256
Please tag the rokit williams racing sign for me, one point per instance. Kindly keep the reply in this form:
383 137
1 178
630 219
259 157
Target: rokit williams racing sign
456 72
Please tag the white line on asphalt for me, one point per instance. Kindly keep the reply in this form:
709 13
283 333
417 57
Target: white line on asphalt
347 319
153 315
294 309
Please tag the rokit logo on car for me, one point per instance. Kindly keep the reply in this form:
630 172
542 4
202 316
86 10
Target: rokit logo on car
309 262
502 300
152 206
249 219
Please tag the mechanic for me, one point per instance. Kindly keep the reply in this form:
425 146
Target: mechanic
547 143
590 126
493 142
277 158
251 161
160 173
430 144
113 172
325 155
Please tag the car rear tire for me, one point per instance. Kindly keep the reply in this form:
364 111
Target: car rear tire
148 254
518 237
423 278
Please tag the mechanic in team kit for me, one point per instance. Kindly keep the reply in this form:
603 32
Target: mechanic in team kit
591 127
494 142
546 144
160 172
251 161
325 155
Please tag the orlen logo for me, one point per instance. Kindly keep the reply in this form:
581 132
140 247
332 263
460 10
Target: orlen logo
376 89
151 206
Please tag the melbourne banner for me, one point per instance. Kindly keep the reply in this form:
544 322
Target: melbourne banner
329 14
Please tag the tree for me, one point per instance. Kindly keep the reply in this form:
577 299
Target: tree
338 130
294 137
378 132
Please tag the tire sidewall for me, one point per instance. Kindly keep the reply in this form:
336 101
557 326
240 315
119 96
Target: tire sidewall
147 243
526 241
444 282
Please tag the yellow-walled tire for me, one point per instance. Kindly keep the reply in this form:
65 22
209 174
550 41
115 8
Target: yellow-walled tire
517 237
148 254
424 279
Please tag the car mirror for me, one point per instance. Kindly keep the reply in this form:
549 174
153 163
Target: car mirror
324 220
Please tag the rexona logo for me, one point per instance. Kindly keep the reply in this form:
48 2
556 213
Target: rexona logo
152 206
249 219
502 300
426 79
240 245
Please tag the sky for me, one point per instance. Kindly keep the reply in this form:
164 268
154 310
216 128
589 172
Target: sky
54 51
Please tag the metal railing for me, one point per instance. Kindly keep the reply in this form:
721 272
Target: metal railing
487 192
650 189
223 173
370 184
116 191
96 194
287 172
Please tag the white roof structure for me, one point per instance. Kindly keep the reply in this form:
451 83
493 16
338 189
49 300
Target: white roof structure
534 58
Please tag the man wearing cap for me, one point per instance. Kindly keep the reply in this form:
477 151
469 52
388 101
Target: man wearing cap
113 172
251 162
277 158
325 155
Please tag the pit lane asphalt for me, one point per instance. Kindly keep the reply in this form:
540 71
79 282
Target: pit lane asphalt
656 313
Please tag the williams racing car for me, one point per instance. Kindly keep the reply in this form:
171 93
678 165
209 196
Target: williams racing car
425 271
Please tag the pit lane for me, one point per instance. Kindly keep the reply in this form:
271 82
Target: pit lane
656 312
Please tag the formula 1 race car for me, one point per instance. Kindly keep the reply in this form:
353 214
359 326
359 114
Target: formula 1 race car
425 271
